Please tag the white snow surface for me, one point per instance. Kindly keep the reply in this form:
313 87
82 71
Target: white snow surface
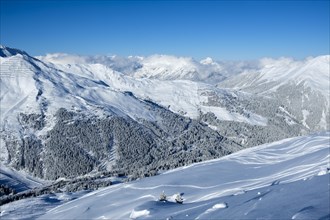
19 180
288 179
30 208
313 72
17 87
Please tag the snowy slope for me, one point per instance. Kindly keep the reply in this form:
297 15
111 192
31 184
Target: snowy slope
17 86
288 179
30 208
19 181
182 96
80 84
180 82
31 86
272 73
303 86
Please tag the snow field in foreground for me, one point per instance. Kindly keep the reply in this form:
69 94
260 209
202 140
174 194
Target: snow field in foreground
278 180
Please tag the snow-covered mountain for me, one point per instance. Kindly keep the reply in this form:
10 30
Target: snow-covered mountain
138 116
288 179
272 74
287 99
51 118
302 86
162 67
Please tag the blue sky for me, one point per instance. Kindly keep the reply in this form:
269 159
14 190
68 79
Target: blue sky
224 30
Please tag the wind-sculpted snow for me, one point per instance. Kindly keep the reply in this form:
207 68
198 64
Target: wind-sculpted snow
254 183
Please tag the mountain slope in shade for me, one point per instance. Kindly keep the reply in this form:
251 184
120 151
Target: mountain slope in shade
282 180
19 181
8 52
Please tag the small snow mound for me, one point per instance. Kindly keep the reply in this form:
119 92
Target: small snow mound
323 172
65 197
2 212
137 214
220 206
239 192
207 61
173 197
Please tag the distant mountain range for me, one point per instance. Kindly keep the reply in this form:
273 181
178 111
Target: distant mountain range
66 115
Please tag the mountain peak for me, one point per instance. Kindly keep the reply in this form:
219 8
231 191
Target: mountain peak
207 61
8 52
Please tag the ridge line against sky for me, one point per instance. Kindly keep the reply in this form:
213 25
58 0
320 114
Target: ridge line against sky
232 30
